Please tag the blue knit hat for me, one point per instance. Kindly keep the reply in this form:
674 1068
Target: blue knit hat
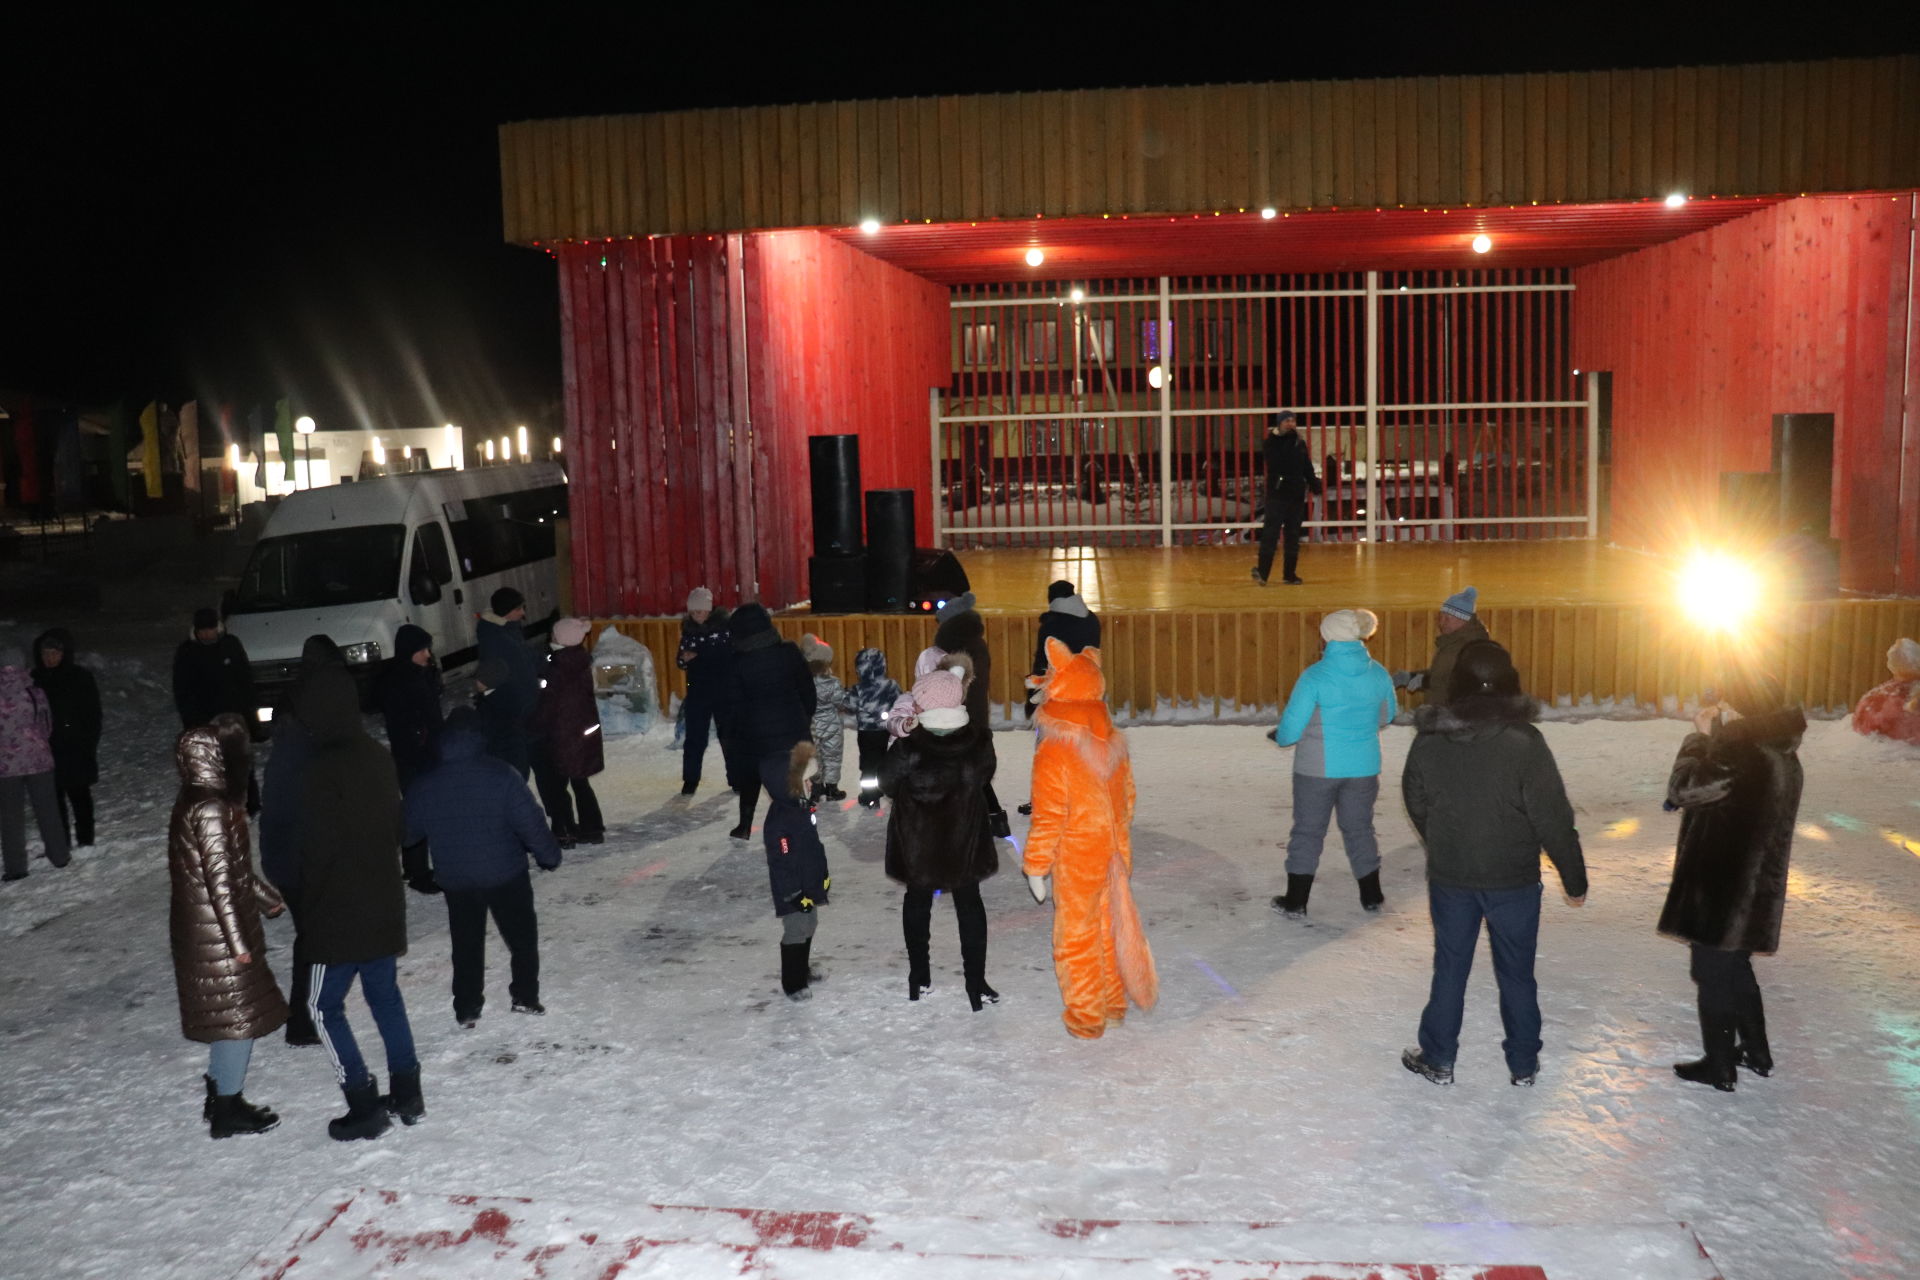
1460 603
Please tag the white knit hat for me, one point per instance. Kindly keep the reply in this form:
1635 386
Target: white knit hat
698 599
1348 624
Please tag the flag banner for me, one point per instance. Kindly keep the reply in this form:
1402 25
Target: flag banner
283 431
119 444
150 449
190 445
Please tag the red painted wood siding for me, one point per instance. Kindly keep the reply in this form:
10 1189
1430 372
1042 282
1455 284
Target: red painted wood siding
1800 308
695 367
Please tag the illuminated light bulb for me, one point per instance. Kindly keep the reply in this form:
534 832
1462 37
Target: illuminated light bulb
506 448
489 451
870 225
379 453
406 451
556 444
233 456
304 425
1482 243
1269 212
1035 257
523 441
1078 295
1156 377
1677 200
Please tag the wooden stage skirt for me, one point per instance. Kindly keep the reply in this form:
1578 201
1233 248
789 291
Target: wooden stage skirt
1189 636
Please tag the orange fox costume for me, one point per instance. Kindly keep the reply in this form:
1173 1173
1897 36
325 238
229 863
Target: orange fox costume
1082 810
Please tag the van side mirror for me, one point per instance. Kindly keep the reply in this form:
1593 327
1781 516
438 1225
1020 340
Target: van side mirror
423 588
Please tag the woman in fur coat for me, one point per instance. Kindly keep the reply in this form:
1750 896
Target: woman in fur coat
937 836
1736 784
1082 809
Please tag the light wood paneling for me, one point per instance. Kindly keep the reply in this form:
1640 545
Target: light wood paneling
1776 128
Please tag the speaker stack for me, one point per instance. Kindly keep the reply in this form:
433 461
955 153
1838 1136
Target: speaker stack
837 570
889 549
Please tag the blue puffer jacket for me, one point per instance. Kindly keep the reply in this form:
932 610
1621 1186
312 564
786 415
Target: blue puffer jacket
478 817
1336 712
875 693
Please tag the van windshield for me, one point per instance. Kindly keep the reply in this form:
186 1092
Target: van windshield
326 567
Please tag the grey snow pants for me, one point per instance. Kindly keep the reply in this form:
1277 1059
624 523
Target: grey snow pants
1315 801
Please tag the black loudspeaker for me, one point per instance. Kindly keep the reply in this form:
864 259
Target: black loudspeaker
834 463
838 583
1803 460
889 549
937 578
1750 504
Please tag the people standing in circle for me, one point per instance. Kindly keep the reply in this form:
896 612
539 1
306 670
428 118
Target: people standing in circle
280 822
409 696
828 725
74 700
566 731
482 825
228 998
1459 626
1485 796
938 839
706 650
1736 783
767 708
1081 843
963 630
1289 477
211 675
27 773
1333 721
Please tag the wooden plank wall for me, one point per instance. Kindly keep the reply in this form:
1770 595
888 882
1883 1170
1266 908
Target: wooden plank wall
1800 308
1237 664
695 367
1761 129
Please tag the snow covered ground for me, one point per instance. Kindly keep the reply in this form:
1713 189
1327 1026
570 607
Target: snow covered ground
1265 1088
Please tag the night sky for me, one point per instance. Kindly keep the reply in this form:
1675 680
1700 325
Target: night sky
243 202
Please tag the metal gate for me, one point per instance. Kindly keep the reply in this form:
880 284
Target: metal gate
1436 405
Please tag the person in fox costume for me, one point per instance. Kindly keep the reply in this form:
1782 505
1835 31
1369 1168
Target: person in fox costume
1082 809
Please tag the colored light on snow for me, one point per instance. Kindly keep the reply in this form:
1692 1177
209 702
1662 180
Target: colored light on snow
1718 592
1218 981
1846 822
1900 841
1623 828
1813 831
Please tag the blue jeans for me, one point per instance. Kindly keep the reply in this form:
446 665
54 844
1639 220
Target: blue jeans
1513 930
227 1063
379 983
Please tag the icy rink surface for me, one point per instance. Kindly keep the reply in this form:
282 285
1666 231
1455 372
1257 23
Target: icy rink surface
1266 1087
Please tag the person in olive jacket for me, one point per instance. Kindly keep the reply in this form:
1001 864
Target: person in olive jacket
769 702
228 998
566 733
1737 784
74 699
1458 625
1485 795
353 911
937 834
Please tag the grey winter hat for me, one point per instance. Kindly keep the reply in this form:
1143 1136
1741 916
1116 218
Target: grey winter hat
699 598
956 606
1461 603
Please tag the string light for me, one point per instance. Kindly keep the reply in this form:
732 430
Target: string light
1482 243
1035 257
870 225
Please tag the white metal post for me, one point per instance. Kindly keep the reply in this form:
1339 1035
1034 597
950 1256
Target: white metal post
1373 407
1593 455
937 453
1166 411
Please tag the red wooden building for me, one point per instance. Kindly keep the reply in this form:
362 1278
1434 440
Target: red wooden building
1064 316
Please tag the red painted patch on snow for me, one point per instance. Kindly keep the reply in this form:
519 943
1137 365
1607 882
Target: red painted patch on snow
651 869
1078 1228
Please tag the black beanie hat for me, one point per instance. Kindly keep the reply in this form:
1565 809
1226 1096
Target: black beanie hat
1059 590
506 600
1484 669
206 618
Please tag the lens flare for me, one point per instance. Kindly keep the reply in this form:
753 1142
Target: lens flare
1718 592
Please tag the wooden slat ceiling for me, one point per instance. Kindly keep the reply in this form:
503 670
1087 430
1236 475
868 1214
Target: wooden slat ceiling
1580 137
1247 244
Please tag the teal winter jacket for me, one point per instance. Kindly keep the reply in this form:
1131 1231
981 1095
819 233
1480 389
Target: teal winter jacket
1336 712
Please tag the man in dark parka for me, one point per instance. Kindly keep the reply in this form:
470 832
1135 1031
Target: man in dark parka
769 701
1736 783
74 699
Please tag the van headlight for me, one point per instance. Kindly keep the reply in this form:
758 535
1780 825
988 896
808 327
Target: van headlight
364 654
263 714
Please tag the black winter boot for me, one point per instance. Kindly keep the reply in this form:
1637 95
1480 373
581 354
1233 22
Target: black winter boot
1293 903
793 969
1754 1053
973 951
403 1101
231 1115
365 1117
1717 1067
745 828
1706 1071
1370 896
914 926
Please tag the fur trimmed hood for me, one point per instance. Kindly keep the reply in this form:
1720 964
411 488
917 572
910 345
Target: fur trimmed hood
959 631
1477 715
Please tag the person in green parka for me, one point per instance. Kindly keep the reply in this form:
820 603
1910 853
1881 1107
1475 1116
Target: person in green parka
1459 626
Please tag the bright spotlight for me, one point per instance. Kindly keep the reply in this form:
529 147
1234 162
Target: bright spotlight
870 225
1718 592
233 456
1156 377
304 425
1482 243
1269 212
523 442
1077 295
379 453
489 451
557 443
1035 257
1676 200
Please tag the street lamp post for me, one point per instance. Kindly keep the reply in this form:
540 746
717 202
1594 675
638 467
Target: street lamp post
305 427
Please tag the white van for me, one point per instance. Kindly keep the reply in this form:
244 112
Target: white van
354 562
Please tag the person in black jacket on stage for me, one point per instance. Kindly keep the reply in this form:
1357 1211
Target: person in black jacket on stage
1736 784
1290 477
706 650
211 675
768 706
74 700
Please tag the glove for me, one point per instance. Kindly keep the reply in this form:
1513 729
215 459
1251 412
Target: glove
1273 735
1401 679
1038 885
1416 682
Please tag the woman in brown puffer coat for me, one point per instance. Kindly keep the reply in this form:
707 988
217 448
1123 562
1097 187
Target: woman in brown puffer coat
228 998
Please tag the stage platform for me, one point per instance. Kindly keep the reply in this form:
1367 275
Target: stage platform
1188 635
